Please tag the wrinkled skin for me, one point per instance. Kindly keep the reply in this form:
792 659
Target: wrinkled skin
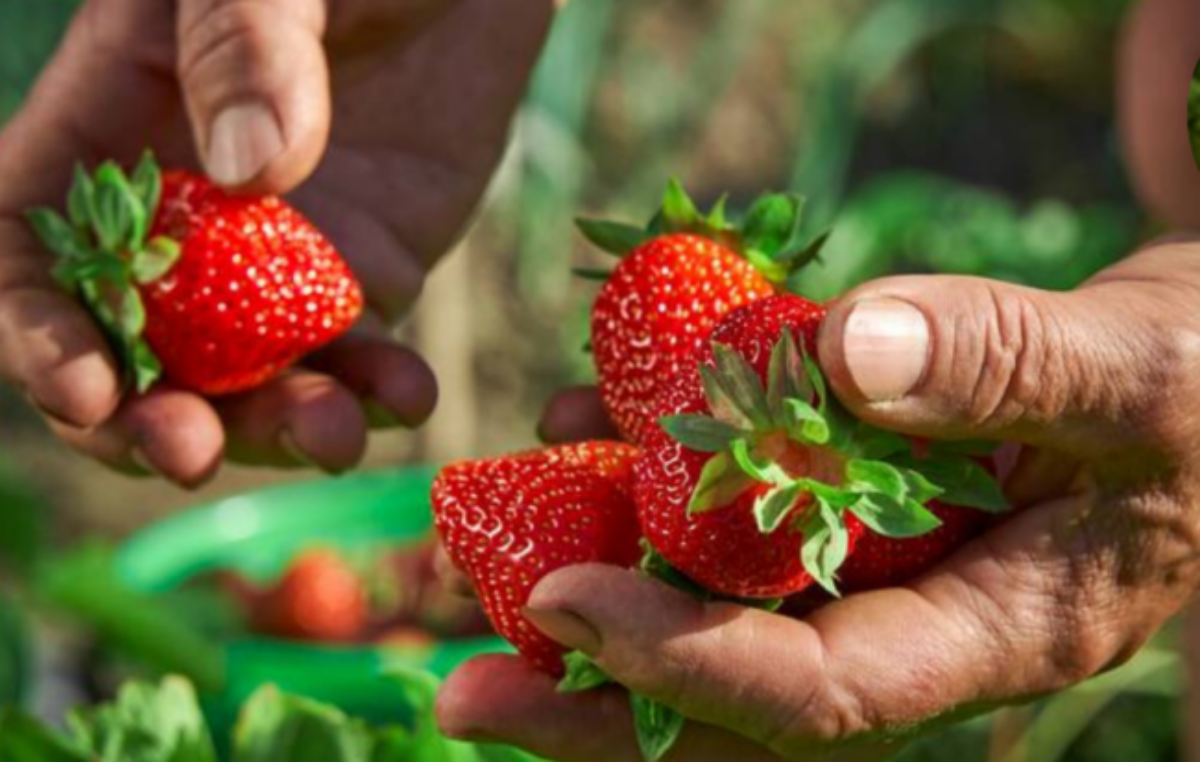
1101 387
390 116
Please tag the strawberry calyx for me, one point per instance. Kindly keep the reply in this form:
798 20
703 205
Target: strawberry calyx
769 236
818 462
105 252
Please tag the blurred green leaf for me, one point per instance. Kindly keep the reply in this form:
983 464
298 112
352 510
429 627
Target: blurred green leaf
146 723
84 585
24 739
16 656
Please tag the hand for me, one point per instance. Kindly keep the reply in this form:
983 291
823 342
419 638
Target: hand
398 109
1101 384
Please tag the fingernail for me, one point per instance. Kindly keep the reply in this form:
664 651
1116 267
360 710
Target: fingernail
244 139
886 346
565 628
49 414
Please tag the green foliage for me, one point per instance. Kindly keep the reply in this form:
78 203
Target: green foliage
29 32
15 653
83 585
163 723
1194 114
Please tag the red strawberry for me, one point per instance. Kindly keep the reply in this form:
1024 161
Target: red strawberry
509 521
319 598
655 312
676 280
217 293
757 484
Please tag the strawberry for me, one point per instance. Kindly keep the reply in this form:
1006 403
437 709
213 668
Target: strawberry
507 522
213 292
757 484
676 279
880 561
320 597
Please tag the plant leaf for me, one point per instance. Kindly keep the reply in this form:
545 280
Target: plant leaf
80 200
785 376
613 237
765 472
717 218
771 509
582 674
56 234
658 726
964 482
795 257
721 482
147 184
147 368
700 432
678 210
598 275
772 223
894 518
721 403
116 212
877 476
919 487
156 260
805 424
276 726
742 384
146 723
826 545
24 739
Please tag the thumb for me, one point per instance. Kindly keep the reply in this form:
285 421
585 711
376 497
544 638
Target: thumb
256 84
954 357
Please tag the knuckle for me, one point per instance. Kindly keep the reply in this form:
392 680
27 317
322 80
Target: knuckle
232 38
1017 375
828 717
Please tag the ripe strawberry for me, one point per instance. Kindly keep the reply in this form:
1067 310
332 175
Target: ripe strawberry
509 521
676 280
880 561
757 492
217 293
319 598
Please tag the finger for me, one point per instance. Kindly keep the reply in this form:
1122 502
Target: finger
575 415
1039 476
501 699
49 346
395 386
392 275
1004 619
256 84
1156 60
168 433
301 419
949 357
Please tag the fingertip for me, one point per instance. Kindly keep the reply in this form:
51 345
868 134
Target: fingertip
474 698
328 425
575 414
176 435
82 391
406 386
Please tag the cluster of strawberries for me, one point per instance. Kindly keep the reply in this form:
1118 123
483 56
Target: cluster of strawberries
740 474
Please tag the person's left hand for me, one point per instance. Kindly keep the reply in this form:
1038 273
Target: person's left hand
1100 383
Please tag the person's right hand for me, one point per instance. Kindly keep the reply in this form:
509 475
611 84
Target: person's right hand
397 109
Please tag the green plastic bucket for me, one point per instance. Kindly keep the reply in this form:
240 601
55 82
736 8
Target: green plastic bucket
257 534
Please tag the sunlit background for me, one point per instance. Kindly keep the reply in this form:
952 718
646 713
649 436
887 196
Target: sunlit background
964 136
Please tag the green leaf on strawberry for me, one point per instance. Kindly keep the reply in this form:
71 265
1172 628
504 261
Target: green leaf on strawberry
769 236
104 253
845 465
